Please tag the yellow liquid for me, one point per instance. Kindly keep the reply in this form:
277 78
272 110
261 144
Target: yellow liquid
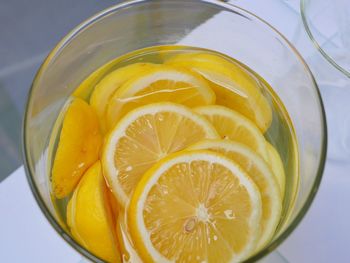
280 134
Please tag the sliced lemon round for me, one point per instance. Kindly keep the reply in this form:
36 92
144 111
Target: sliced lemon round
87 86
78 147
89 216
146 135
162 83
261 174
234 126
277 167
195 207
233 85
104 89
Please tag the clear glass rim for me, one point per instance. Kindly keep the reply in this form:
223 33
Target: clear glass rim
308 30
30 170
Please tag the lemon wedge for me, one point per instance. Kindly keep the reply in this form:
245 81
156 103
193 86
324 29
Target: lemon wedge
262 175
233 85
89 216
78 147
162 83
195 207
146 135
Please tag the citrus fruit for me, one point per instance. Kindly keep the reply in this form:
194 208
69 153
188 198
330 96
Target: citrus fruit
233 85
129 254
195 207
89 216
277 167
78 147
262 175
87 86
162 83
146 135
104 89
234 126
113 203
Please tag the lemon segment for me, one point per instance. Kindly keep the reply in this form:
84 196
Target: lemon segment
146 135
162 83
260 172
234 126
195 207
233 85
277 167
78 147
90 217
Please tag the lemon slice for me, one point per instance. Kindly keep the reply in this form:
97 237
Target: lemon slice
87 86
277 167
262 176
90 217
234 126
146 135
195 207
78 147
163 83
233 85
112 82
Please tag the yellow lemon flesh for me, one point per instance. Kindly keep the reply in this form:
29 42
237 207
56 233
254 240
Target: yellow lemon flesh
234 126
195 207
146 135
260 172
89 216
162 83
233 85
78 147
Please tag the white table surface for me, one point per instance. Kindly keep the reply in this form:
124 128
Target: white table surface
322 236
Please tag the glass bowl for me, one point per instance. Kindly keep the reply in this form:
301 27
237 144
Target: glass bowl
202 23
327 24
